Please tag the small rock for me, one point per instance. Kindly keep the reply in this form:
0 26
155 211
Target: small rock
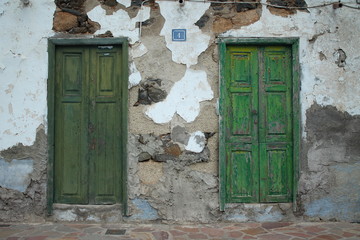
64 21
222 25
173 149
164 157
144 156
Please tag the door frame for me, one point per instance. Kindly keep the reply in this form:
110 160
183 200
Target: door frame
53 43
294 44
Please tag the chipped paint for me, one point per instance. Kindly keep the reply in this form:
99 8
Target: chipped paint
183 99
184 17
125 27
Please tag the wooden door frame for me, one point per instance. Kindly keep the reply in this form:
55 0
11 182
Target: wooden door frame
53 43
294 44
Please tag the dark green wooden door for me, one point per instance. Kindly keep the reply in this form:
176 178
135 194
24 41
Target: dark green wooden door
258 124
88 111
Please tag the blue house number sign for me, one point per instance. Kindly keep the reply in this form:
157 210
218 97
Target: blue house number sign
179 35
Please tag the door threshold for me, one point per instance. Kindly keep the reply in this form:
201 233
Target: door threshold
87 213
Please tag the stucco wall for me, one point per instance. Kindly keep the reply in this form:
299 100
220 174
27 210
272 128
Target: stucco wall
173 104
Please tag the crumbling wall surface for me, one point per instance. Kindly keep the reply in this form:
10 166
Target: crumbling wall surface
173 103
23 77
329 185
328 78
23 181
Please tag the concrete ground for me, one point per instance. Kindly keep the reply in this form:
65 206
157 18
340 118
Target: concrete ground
271 231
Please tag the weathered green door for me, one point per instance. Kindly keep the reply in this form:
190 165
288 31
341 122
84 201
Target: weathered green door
258 124
88 110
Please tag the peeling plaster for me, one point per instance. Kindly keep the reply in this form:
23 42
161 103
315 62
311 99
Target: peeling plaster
196 142
134 77
184 98
16 174
26 69
184 17
126 3
138 50
119 23
144 210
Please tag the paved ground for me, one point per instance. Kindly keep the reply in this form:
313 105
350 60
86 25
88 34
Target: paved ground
270 231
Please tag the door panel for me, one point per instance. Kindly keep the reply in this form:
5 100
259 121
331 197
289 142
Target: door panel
241 138
258 127
242 171
275 172
105 155
70 137
87 122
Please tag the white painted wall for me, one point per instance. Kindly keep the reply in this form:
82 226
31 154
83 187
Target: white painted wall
119 23
185 17
23 69
184 98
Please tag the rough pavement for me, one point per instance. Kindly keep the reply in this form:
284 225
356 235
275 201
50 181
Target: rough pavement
267 231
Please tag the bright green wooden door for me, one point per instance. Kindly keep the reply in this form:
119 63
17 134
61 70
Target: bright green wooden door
87 125
258 124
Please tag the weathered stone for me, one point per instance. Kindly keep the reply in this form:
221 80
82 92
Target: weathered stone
179 134
164 157
77 30
144 156
143 97
150 172
69 4
105 35
222 25
282 10
245 18
156 94
341 57
191 158
64 21
202 21
149 92
110 3
209 134
173 149
136 3
148 22
241 7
